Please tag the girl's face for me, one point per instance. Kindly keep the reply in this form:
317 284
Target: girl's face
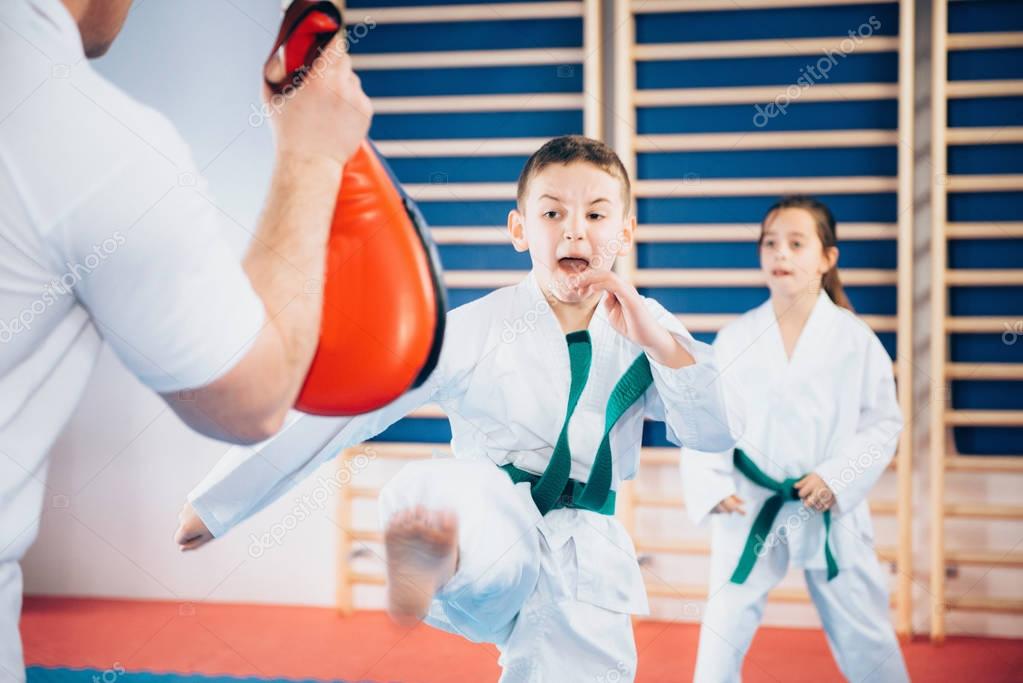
573 219
792 256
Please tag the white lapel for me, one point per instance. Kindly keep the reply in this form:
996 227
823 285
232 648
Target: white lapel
815 322
815 326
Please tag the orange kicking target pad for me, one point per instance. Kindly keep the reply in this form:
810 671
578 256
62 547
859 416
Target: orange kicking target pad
384 299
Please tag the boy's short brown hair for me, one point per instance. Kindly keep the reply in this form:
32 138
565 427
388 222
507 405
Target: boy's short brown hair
571 148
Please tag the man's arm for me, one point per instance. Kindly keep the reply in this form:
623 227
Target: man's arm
316 132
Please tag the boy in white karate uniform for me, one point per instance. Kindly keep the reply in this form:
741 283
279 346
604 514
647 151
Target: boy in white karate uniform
821 425
546 385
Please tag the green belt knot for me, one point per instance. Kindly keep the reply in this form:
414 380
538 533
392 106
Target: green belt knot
788 489
784 492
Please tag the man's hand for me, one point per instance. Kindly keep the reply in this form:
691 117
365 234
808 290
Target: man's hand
325 115
192 532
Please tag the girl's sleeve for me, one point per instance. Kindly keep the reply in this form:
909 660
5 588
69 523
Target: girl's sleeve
859 462
691 400
707 479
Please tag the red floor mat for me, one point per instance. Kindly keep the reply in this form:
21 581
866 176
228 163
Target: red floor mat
304 642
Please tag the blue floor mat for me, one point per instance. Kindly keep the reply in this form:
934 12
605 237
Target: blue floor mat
39 674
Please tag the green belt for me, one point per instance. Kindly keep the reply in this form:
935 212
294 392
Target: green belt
569 497
784 491
550 489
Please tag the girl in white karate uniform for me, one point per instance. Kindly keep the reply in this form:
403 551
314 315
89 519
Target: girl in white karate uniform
822 424
546 385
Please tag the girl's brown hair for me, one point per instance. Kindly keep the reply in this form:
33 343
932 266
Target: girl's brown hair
825 223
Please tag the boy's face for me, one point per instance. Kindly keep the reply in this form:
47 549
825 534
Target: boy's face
573 218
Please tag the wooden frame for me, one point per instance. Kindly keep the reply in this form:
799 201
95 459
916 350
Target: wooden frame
628 143
943 457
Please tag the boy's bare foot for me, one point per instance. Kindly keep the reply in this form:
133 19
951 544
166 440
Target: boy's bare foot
422 553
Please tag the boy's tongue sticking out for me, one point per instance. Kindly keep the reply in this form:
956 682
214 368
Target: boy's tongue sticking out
573 265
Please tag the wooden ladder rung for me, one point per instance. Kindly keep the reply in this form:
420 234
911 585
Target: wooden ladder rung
984 418
365 535
657 501
984 230
983 511
979 324
984 277
985 371
368 579
985 463
984 558
1001 605
673 547
696 592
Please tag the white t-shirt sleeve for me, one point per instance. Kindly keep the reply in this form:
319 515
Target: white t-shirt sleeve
145 255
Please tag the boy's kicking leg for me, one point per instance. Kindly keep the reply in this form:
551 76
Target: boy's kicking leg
462 546
422 554
465 550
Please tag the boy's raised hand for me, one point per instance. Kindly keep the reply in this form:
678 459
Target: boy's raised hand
192 532
630 317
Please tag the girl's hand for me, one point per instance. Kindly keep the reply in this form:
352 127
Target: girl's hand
192 532
815 494
630 317
732 503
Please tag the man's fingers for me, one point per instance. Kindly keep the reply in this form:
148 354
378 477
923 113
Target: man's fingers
275 69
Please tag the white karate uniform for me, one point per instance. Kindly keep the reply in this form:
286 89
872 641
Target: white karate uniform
555 592
832 410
